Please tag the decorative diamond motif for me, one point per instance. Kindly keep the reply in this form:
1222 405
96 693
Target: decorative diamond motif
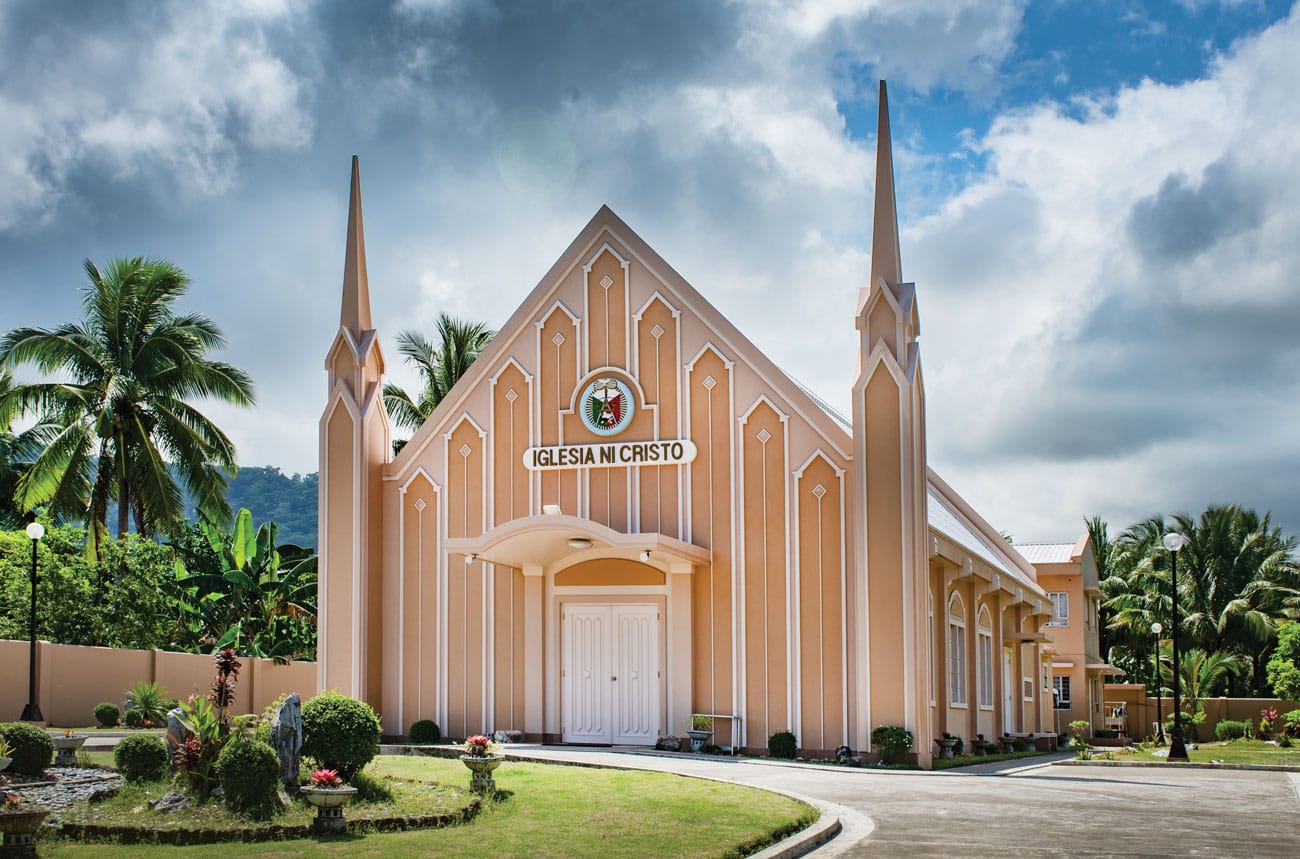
511 396
466 450
557 339
420 505
819 490
657 332
708 383
763 436
607 281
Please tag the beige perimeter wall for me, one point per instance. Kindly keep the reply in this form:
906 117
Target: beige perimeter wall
71 680
1142 709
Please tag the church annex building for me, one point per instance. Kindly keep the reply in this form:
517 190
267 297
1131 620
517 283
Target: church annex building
625 514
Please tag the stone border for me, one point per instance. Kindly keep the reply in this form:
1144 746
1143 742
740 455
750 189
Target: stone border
275 832
1195 765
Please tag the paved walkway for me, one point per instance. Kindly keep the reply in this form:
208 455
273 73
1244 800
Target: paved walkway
1024 808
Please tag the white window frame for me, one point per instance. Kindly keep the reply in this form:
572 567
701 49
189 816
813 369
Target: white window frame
984 658
1060 608
1061 684
957 652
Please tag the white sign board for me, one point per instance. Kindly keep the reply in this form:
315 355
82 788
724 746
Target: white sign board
615 455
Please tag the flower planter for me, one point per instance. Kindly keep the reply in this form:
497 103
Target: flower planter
328 802
481 767
67 750
698 739
19 829
946 747
4 763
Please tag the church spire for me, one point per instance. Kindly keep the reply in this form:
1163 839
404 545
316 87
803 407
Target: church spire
356 288
886 261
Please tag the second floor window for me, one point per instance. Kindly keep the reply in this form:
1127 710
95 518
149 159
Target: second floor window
1060 609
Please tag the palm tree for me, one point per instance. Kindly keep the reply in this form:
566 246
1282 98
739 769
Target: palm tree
121 426
441 365
1199 673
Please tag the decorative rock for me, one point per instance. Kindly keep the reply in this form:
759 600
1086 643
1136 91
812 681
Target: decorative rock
170 802
176 732
286 738
668 744
508 737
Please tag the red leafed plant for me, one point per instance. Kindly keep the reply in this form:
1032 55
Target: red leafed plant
325 778
479 746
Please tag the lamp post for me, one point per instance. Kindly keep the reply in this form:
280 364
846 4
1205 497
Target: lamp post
1156 629
32 712
1174 541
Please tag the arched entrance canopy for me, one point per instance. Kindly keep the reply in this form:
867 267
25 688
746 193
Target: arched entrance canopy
552 542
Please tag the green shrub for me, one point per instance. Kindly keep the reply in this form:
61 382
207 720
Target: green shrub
892 741
782 744
339 732
250 776
1020 745
1291 724
1105 733
134 717
151 700
425 732
107 715
1230 729
141 758
33 750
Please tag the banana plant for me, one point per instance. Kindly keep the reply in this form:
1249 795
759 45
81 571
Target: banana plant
245 593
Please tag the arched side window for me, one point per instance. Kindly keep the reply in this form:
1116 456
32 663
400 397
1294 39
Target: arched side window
956 650
984 657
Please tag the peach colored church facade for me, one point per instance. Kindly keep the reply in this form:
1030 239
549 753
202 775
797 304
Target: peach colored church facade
625 514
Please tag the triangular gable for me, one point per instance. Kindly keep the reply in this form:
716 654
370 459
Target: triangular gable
676 292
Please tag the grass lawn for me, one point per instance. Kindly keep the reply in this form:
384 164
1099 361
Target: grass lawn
546 811
971 760
1232 752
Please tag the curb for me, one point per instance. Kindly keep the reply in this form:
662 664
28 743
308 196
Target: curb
803 842
1189 765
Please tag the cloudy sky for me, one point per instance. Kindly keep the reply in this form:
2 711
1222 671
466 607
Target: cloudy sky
1098 201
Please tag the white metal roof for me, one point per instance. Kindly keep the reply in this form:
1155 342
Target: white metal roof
946 521
1046 553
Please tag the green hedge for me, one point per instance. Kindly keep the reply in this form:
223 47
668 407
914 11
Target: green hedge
141 758
341 733
250 776
33 750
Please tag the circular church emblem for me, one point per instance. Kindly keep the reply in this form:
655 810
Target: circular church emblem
606 406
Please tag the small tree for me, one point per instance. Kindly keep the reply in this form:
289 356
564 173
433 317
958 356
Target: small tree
1284 664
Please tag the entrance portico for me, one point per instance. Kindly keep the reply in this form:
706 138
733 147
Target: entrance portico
606 626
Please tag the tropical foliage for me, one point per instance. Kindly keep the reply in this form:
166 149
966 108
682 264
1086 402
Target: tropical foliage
1284 664
441 365
1237 579
119 421
241 590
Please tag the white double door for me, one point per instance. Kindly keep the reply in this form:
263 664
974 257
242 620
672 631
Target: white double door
610 673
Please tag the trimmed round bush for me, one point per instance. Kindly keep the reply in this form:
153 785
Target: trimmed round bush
893 742
425 732
107 715
134 717
33 750
339 732
782 744
250 776
141 758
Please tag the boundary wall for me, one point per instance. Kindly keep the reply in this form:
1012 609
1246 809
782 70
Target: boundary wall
72 679
1142 709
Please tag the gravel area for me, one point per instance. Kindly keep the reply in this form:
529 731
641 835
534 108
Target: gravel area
62 787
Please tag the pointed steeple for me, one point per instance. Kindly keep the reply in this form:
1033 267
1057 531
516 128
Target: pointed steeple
356 288
886 261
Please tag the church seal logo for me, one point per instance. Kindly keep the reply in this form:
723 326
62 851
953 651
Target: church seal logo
606 406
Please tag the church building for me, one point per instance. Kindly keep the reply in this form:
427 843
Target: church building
626 514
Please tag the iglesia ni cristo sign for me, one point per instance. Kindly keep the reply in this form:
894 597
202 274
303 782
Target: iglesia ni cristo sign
615 455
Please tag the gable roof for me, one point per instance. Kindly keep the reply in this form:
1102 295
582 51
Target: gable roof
1047 553
831 428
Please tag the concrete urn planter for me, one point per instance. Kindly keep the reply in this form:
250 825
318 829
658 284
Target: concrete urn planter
328 802
946 747
698 739
67 747
481 767
4 763
19 829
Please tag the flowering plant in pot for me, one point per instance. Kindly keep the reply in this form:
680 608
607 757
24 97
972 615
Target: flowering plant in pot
328 794
6 753
66 746
19 823
481 759
700 730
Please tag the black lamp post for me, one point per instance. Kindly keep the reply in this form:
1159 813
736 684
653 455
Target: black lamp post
1174 541
32 712
1156 629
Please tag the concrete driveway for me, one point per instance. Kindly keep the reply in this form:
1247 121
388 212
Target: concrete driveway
1014 810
